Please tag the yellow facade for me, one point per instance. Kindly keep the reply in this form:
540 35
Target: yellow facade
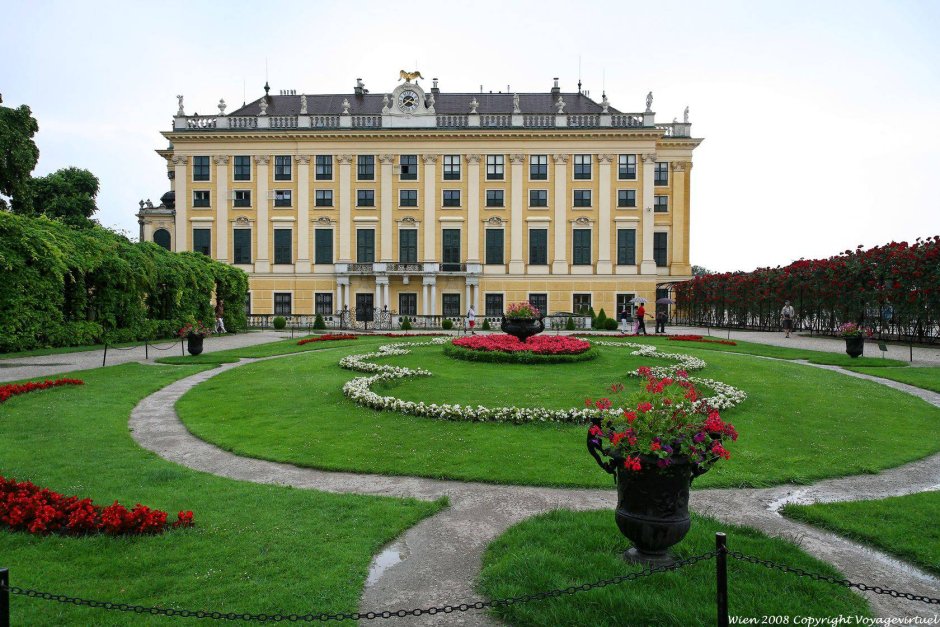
563 146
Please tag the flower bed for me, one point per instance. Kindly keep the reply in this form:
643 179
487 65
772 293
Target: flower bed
520 356
359 389
413 334
507 348
13 389
27 507
699 338
329 337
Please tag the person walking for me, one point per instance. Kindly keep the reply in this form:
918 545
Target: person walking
471 319
624 317
661 321
219 313
786 317
641 320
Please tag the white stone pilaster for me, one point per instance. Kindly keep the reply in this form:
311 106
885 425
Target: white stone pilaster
385 211
345 209
603 218
473 208
559 250
221 207
181 226
303 214
648 264
516 224
430 200
262 260
386 297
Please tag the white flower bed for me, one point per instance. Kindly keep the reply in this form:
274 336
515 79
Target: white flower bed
359 390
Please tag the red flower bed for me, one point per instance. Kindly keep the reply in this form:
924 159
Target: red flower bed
413 334
329 337
699 338
27 507
538 344
6 391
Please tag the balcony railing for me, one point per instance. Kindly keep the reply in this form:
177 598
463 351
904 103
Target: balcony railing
404 267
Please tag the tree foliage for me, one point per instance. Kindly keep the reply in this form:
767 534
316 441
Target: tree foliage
18 156
67 194
66 287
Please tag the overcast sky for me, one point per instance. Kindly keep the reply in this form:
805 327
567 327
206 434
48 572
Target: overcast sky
820 119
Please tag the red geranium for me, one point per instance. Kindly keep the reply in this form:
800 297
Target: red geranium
12 389
329 337
539 344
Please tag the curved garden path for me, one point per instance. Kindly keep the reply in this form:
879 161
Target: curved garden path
437 561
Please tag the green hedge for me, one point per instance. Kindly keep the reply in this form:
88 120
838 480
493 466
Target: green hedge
69 287
522 357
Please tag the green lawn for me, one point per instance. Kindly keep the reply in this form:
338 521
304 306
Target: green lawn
282 347
799 424
561 549
905 526
927 378
255 548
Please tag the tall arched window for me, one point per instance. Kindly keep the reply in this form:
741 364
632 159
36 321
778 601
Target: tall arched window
162 237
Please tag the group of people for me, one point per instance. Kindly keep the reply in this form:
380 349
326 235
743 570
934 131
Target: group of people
641 316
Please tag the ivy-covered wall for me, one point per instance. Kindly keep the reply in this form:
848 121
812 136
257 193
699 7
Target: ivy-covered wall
61 286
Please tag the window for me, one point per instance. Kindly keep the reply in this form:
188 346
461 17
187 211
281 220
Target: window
409 167
323 246
161 237
323 303
538 247
494 198
581 303
365 245
243 168
365 167
323 197
493 304
660 241
495 167
626 167
494 246
241 246
242 198
281 304
538 167
282 246
450 250
538 197
451 305
626 198
661 176
581 244
200 168
582 167
407 304
624 304
201 198
408 246
451 167
365 197
540 301
202 239
626 247
451 197
323 170
282 168
582 198
661 204
282 198
407 198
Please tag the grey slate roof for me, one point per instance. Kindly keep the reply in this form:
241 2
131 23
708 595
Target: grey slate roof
445 104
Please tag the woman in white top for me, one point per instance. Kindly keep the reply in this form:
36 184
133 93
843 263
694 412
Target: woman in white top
786 317
471 319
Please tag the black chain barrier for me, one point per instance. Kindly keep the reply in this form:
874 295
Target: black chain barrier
323 616
833 580
165 348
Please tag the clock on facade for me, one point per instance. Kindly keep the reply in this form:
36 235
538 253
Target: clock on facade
408 101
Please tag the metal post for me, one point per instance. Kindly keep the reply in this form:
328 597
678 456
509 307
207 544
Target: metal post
146 349
4 597
182 348
721 572
105 358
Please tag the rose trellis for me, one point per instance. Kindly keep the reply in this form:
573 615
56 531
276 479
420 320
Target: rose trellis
360 390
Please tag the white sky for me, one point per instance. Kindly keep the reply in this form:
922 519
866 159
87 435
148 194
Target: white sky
820 119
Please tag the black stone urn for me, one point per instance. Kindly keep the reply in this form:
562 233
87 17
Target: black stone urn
522 328
653 508
854 346
194 343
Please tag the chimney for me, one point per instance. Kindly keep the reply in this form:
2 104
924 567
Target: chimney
360 87
434 89
556 90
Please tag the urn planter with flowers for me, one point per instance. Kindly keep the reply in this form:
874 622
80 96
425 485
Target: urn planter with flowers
195 333
854 336
655 442
522 320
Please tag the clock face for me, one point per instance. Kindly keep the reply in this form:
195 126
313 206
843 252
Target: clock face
408 101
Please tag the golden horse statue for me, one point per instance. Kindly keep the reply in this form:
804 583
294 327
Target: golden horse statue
409 76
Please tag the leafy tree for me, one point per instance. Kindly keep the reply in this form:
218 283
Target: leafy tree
67 194
700 271
18 156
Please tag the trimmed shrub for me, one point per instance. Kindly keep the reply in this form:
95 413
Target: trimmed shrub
405 324
601 322
279 322
610 324
318 323
569 325
593 317
447 324
486 325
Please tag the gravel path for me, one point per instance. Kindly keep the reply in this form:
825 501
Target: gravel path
437 561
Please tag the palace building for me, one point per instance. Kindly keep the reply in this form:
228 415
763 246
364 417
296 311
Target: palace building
422 203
